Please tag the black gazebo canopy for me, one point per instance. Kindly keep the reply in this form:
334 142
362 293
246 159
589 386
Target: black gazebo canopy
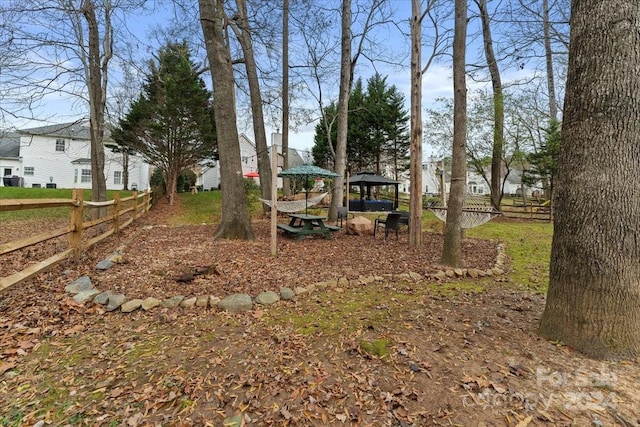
366 180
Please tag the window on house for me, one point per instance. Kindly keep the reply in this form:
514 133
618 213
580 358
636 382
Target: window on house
59 144
85 175
117 177
29 171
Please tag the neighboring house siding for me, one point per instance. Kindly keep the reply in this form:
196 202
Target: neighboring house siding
50 165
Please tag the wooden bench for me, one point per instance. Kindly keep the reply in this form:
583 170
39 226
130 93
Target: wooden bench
289 229
332 227
301 232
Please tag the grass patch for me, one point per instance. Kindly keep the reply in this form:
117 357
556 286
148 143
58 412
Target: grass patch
528 245
379 347
201 208
358 309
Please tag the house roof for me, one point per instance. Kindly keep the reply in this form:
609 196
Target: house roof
9 144
73 130
369 178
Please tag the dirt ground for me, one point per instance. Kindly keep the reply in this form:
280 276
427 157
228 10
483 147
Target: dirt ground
391 353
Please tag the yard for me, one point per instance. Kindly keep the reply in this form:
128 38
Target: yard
396 352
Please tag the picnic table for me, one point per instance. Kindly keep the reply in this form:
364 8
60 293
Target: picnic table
303 225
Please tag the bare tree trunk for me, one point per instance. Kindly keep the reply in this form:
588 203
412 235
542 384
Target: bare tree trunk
286 189
343 111
125 170
96 74
498 106
548 53
243 33
593 302
415 167
451 252
235 222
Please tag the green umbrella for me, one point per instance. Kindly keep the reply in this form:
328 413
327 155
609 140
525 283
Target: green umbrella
306 171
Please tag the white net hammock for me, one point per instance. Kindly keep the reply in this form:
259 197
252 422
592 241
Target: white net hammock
296 205
476 211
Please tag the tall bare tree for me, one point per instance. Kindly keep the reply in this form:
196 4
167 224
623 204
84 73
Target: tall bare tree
346 80
593 302
498 105
95 64
286 189
537 30
240 25
451 251
70 47
235 222
374 15
415 168
438 44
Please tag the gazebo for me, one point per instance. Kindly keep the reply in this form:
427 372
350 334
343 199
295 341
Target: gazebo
366 180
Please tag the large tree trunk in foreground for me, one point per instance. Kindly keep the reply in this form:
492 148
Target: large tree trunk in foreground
593 302
235 222
451 252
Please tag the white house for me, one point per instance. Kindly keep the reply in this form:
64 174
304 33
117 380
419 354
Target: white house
209 171
59 156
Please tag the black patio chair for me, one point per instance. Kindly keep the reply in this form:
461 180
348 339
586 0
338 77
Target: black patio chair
404 217
391 222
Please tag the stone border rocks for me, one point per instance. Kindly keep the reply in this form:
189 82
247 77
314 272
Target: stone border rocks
83 289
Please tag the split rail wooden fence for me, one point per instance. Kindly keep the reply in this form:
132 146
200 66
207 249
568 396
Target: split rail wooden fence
121 213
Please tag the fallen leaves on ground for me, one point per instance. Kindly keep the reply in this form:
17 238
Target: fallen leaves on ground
456 355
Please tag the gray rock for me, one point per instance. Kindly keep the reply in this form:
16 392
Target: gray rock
102 298
80 284
173 301
415 276
115 301
321 286
299 290
85 296
202 301
439 275
150 303
129 306
236 302
213 301
267 298
287 294
188 302
105 264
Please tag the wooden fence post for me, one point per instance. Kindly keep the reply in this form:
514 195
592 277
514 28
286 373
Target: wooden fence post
75 238
135 204
116 212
